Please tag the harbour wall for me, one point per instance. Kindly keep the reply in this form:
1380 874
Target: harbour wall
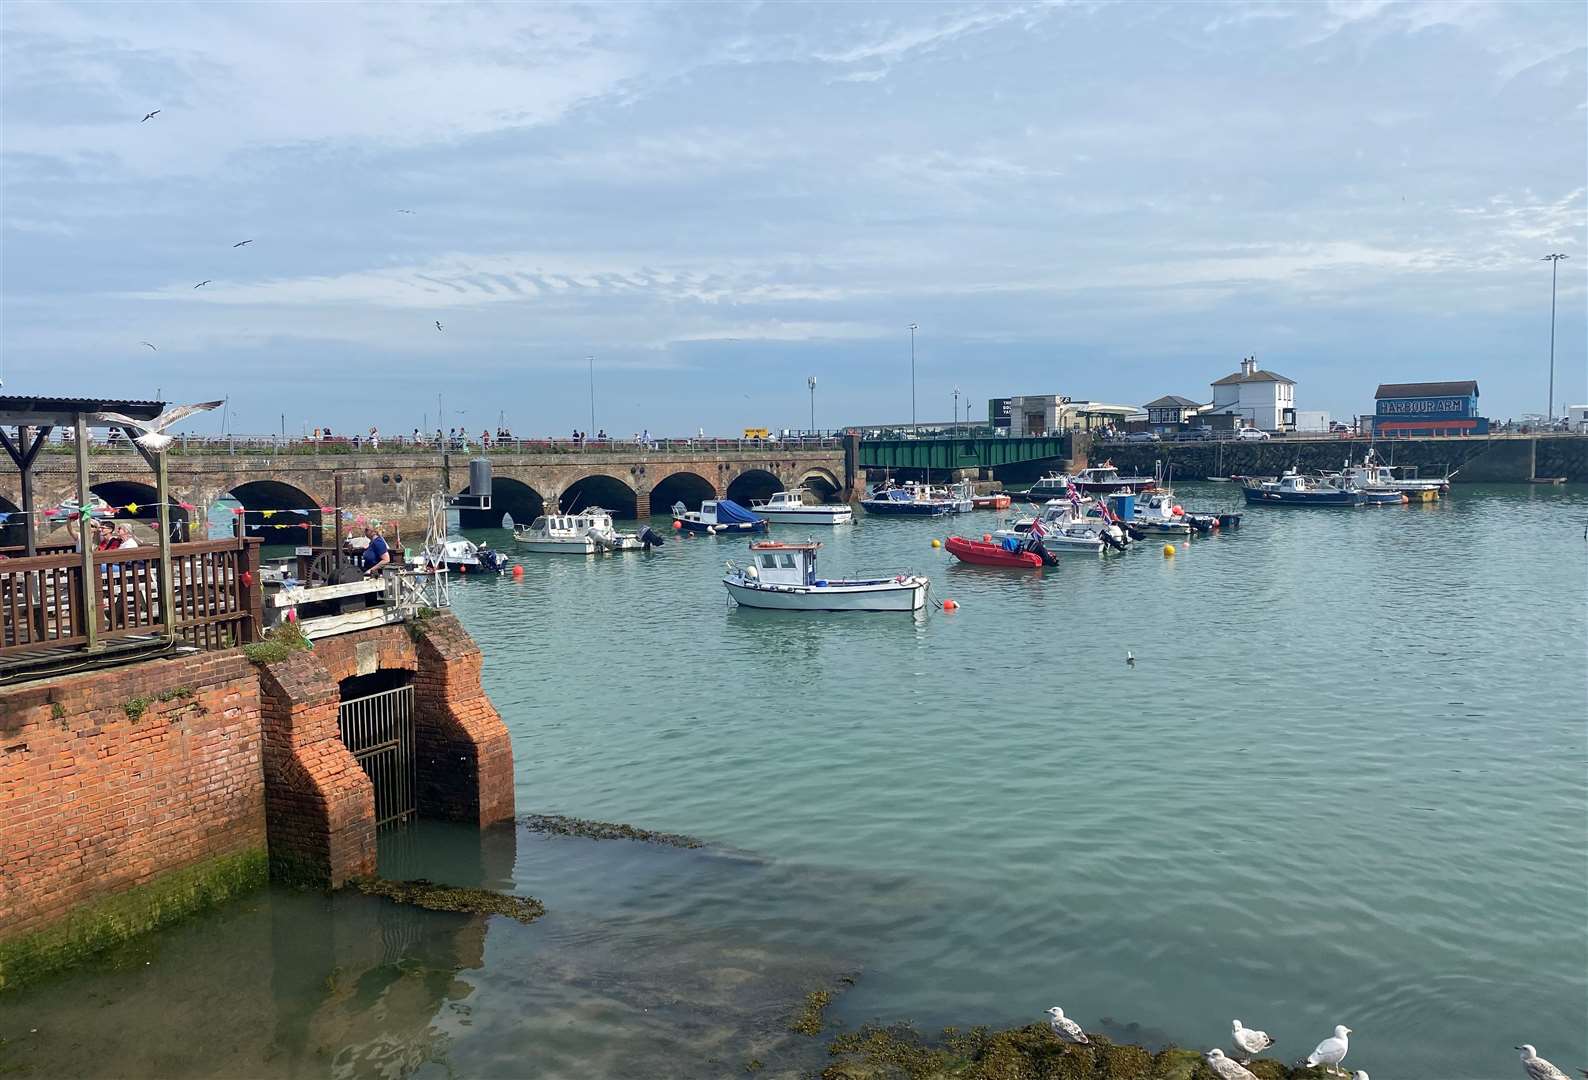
1495 459
135 795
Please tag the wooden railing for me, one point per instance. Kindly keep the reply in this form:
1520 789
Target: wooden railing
214 603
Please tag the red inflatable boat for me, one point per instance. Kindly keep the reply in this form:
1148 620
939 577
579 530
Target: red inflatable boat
985 554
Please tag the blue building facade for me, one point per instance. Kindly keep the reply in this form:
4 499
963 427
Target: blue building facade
1432 408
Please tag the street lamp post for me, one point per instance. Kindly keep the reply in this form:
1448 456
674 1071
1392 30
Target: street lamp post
810 382
913 328
1554 269
591 361
956 412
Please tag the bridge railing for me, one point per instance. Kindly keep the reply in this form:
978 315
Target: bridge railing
46 603
271 446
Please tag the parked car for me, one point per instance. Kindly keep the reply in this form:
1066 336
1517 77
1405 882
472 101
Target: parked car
1142 436
1252 433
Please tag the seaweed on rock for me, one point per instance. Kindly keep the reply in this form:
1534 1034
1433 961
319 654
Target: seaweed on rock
436 897
558 825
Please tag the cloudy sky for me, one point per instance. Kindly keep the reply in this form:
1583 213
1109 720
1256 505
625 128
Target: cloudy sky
1112 201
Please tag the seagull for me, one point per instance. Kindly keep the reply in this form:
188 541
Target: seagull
152 437
148 343
1226 1069
1360 1074
1537 1068
150 116
1249 1042
1331 1051
1066 1029
405 211
438 324
240 243
201 284
1130 658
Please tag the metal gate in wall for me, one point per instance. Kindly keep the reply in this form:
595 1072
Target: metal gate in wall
379 730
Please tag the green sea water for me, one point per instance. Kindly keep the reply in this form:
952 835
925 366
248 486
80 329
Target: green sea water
1344 782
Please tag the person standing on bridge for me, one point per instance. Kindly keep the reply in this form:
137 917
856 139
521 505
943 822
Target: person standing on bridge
376 554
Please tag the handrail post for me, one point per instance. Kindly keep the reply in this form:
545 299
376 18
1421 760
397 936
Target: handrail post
167 597
253 595
90 613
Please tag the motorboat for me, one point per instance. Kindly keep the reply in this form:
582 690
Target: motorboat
962 495
1376 477
1027 552
783 577
997 500
717 516
1064 529
1158 513
1048 486
1293 489
460 555
1105 480
788 507
913 500
584 533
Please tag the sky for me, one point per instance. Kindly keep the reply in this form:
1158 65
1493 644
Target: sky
718 202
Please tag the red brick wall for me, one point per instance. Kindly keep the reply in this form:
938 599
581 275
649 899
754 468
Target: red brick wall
93 802
320 804
465 753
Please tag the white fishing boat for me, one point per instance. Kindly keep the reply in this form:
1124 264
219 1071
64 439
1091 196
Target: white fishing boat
460 555
1065 530
717 516
788 507
584 533
782 577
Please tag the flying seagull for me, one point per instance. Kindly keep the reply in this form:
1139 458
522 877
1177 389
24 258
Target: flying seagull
405 211
1225 1068
1536 1067
438 324
240 243
153 437
151 116
1065 1028
1332 1050
1250 1042
201 284
148 343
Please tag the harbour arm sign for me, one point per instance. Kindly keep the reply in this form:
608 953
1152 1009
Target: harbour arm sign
1445 406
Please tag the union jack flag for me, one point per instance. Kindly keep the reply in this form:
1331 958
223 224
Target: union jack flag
1037 530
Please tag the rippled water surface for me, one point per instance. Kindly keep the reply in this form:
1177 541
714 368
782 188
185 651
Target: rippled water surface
1343 783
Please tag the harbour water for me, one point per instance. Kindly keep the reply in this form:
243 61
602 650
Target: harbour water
1343 783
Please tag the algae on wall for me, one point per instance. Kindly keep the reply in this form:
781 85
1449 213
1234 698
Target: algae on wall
101 924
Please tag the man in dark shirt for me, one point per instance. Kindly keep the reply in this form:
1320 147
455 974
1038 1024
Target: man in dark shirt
376 555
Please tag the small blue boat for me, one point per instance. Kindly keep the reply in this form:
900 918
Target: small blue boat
1293 489
910 500
717 516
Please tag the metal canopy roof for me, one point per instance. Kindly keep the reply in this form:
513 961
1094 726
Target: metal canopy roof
39 409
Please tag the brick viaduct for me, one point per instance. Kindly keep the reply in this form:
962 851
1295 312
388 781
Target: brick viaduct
397 486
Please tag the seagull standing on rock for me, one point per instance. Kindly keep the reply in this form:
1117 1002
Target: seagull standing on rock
1537 1068
1331 1051
1360 1074
1226 1068
1066 1029
1249 1042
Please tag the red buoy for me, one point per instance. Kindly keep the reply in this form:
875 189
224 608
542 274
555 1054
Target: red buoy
950 605
518 571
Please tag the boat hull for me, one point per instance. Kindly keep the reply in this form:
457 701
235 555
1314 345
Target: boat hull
1259 497
811 515
909 595
541 546
891 508
707 527
981 553
991 502
1133 485
1383 498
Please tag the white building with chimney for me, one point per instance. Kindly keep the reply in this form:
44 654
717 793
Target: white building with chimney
1255 398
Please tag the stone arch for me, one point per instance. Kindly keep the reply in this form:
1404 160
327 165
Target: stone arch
123 493
281 500
753 484
822 483
600 489
508 496
683 486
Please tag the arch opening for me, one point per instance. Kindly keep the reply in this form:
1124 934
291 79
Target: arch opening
122 494
607 492
822 484
685 487
753 484
508 496
282 501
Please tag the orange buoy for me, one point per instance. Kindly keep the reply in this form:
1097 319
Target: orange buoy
462 568
950 605
518 571
1177 511
677 524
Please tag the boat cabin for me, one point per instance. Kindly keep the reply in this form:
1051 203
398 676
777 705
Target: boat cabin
571 525
782 500
775 563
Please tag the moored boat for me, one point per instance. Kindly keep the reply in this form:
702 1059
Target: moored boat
461 556
788 507
1293 489
584 533
1024 553
909 500
782 577
1105 480
717 516
1048 486
997 500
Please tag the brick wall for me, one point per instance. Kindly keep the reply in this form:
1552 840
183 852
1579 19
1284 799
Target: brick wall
465 753
95 801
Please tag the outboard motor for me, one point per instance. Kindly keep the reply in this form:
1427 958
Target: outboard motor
1112 540
1133 532
649 538
1047 557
